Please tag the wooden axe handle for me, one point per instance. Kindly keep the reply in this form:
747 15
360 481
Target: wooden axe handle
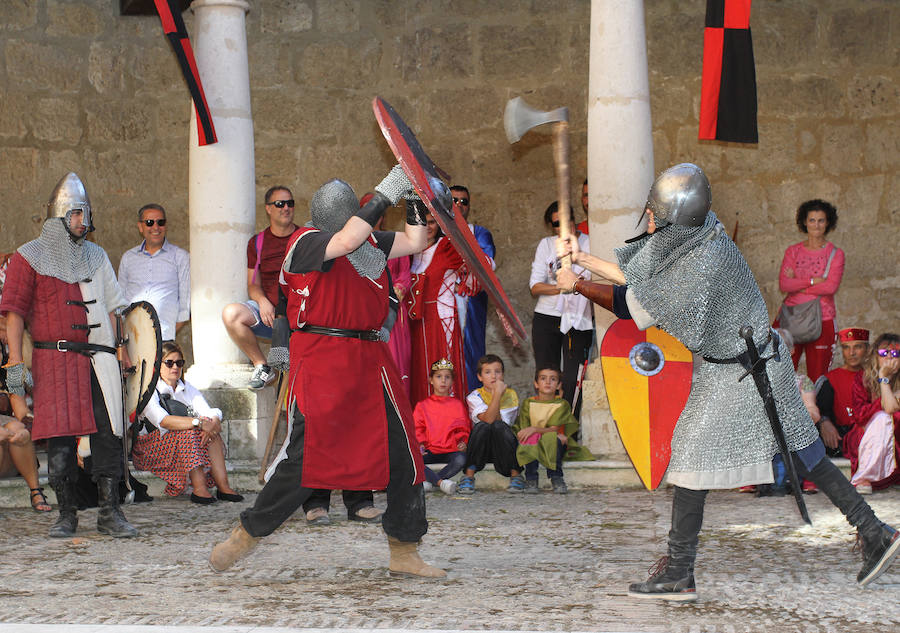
561 161
280 401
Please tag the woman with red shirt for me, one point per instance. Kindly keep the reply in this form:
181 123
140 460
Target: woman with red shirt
872 443
803 278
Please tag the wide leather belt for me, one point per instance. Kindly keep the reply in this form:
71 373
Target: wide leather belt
74 346
365 335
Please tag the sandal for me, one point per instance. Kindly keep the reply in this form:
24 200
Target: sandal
39 506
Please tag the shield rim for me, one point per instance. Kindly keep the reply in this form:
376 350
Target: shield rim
144 398
418 172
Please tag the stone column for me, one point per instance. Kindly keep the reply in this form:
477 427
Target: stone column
620 169
222 182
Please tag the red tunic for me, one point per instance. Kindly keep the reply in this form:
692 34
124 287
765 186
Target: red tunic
442 423
841 381
62 394
864 407
434 337
339 383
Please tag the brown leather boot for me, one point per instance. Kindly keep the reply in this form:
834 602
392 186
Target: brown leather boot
405 561
238 544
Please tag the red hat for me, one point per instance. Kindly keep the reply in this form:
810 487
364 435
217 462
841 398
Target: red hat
853 334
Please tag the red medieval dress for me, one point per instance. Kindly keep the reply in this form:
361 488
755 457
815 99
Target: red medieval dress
841 381
434 323
399 343
339 384
864 407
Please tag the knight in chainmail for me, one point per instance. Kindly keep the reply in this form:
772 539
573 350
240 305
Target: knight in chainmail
350 424
688 278
64 288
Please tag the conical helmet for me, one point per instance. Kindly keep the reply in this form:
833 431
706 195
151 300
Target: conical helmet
680 195
70 195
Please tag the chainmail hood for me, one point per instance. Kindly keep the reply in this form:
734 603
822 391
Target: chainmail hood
55 254
331 206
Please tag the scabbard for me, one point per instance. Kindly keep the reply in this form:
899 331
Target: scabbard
764 387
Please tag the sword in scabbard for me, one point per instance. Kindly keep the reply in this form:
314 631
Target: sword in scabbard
121 342
763 386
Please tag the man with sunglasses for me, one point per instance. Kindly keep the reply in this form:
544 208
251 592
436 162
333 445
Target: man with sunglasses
158 272
472 309
265 252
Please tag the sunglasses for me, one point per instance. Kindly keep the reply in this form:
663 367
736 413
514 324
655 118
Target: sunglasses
152 222
893 353
462 201
174 363
280 204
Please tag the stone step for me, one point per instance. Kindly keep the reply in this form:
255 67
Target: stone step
243 476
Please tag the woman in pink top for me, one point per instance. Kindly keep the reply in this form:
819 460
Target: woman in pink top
803 278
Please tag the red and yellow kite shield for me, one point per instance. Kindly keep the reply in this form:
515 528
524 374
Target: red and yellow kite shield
648 380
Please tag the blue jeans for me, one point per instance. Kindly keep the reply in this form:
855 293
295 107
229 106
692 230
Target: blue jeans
531 468
455 463
259 328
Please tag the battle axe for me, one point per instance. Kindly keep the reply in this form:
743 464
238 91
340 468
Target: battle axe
518 118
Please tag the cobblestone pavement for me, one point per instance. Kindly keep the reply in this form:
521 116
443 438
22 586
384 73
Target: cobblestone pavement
544 562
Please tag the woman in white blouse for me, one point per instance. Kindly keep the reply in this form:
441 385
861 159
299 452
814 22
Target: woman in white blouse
562 328
179 440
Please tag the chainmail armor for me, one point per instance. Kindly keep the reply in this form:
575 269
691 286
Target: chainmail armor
56 254
331 206
697 286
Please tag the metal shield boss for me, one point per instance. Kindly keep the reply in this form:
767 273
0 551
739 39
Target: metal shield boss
648 380
425 177
143 339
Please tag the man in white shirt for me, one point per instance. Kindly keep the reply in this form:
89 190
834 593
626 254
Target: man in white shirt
158 272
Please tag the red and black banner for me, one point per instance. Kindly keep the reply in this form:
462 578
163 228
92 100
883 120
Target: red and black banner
728 95
173 26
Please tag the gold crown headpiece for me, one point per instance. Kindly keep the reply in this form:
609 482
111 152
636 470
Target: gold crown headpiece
442 364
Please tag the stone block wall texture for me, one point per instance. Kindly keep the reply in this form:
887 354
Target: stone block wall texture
84 88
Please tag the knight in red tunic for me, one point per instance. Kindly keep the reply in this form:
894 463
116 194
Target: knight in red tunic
63 287
350 424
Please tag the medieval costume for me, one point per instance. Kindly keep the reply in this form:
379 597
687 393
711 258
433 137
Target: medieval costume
688 278
434 323
350 424
64 288
546 448
400 342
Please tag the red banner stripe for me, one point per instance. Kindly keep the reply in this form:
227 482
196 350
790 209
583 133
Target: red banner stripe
711 83
737 14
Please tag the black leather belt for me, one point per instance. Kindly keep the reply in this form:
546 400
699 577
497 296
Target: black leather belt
87 349
365 335
743 359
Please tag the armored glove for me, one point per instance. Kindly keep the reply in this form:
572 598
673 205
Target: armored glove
15 379
396 185
279 355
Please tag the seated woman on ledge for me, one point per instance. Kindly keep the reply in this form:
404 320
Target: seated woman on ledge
17 455
180 436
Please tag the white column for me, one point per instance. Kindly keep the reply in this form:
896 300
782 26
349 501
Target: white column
222 183
620 168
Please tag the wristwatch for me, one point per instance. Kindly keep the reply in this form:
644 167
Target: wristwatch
884 381
195 423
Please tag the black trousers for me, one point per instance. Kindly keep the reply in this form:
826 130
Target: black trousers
566 351
687 509
354 500
495 443
404 519
106 448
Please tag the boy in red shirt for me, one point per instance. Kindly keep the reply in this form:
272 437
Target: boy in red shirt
442 428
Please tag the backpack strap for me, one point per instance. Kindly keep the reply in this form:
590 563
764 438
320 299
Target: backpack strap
259 246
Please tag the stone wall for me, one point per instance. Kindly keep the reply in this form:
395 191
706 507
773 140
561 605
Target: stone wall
86 89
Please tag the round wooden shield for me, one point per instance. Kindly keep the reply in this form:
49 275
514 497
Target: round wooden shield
648 380
143 339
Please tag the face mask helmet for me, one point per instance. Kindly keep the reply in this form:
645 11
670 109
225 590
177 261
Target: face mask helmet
68 197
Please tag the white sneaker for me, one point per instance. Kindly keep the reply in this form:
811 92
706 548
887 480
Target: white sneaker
864 489
263 375
427 486
448 487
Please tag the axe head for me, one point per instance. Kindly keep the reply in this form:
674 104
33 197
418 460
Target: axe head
520 117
